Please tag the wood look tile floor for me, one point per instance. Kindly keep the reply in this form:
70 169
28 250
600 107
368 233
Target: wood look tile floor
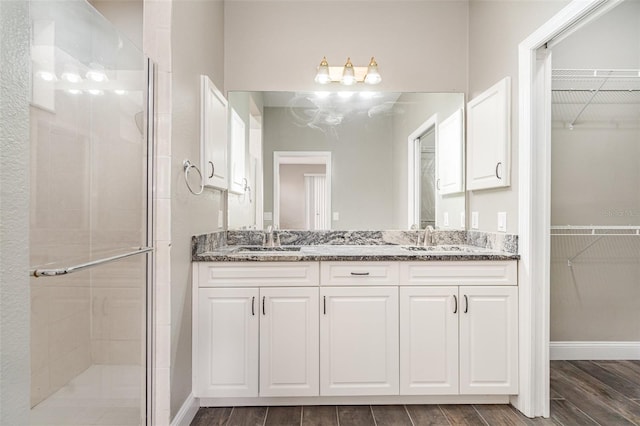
605 393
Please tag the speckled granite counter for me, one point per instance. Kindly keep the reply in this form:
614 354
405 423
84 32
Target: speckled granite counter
234 246
351 253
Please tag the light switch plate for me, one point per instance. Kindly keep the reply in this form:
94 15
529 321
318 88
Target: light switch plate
445 219
336 215
463 222
475 220
502 221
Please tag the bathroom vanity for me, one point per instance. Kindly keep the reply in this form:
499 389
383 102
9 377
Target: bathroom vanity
332 324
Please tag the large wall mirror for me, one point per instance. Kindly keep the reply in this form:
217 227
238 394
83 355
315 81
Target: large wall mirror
350 160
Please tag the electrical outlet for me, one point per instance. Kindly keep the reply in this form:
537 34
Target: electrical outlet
445 219
475 220
463 222
336 215
502 221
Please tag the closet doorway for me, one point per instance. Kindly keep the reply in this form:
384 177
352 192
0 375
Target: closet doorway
536 178
595 201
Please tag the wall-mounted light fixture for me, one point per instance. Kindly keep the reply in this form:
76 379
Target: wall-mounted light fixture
348 74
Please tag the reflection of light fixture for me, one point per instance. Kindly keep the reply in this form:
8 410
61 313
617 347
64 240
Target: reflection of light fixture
95 92
120 92
345 94
46 75
348 74
96 73
367 95
74 91
322 95
71 74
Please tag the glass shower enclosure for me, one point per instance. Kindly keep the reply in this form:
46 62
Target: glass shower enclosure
90 219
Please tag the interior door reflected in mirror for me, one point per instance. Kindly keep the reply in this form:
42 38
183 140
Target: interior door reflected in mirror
371 167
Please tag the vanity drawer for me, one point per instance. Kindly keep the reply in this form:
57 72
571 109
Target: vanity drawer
489 272
359 273
258 274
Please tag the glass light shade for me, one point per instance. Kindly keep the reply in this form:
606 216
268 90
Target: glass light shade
373 76
322 76
348 75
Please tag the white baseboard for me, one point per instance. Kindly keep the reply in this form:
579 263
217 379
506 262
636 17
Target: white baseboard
594 350
187 412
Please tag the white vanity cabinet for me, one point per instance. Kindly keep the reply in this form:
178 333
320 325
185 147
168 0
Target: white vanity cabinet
428 340
463 338
252 338
459 340
388 330
226 342
289 341
359 341
488 340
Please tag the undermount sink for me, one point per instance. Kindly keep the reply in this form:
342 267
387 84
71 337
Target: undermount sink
435 248
267 249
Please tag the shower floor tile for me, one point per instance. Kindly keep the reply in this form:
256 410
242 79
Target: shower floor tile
101 395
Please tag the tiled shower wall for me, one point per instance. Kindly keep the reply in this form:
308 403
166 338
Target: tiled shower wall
87 199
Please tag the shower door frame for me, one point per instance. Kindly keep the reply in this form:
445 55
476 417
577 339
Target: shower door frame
150 131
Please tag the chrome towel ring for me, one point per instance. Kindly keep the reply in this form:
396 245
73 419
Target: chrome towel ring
187 166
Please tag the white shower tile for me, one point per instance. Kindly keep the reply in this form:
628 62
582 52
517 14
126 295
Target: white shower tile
162 390
163 304
163 135
163 220
163 346
163 49
163 179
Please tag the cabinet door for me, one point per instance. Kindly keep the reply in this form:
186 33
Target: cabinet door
237 156
429 340
359 341
228 342
488 340
450 154
289 339
213 135
489 137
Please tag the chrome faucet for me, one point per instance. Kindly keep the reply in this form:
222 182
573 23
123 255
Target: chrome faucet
428 236
268 239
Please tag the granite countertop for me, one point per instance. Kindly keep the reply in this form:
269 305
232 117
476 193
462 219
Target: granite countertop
289 253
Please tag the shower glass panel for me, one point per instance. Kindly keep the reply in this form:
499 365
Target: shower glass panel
89 202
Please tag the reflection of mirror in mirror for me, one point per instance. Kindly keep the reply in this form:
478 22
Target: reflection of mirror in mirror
378 177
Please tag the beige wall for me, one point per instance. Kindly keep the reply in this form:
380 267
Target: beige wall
292 193
361 166
197 48
277 45
495 30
